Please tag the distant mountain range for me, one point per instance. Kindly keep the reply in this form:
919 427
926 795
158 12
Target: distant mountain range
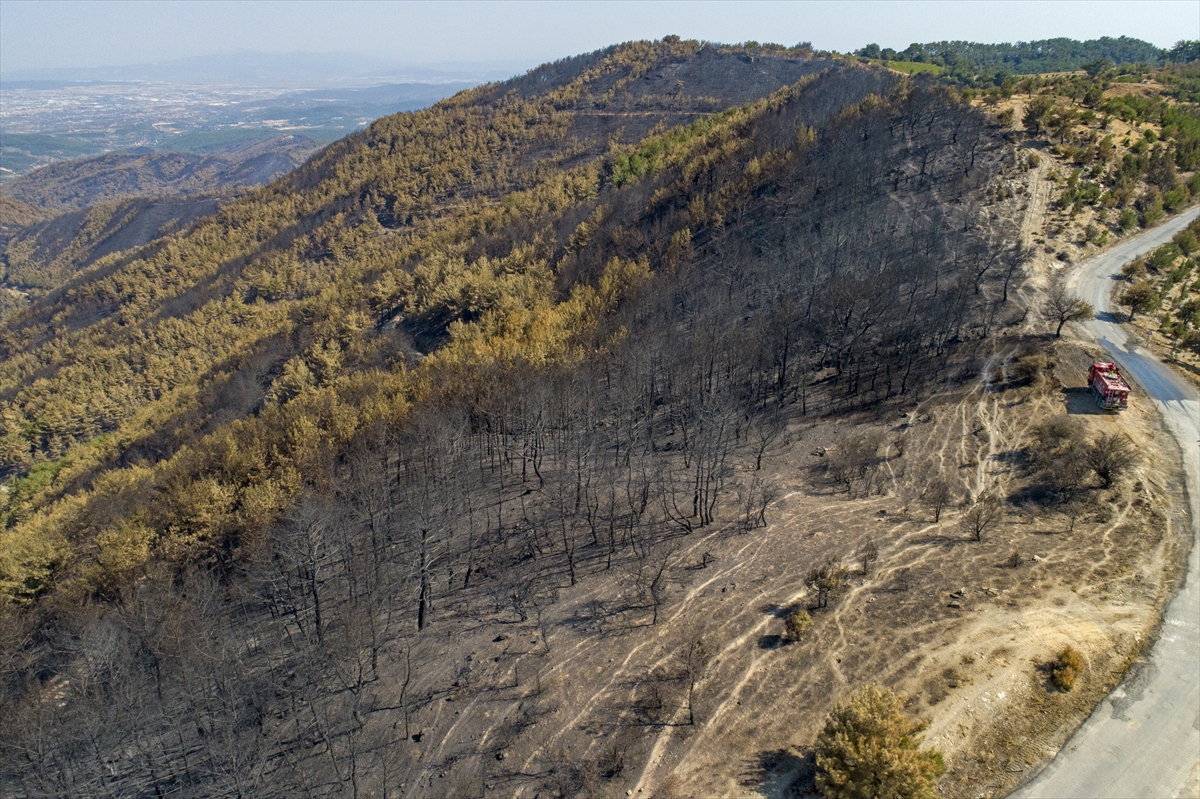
275 70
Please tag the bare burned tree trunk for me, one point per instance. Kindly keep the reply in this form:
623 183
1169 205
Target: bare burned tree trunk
694 661
423 572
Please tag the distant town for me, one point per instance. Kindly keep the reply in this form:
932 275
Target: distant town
44 121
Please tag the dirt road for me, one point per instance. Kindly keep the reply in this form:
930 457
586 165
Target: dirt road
1144 739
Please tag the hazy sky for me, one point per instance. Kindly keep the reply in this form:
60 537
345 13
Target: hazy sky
100 33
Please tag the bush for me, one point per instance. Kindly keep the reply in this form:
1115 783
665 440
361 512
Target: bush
1071 658
1066 670
1164 257
1176 199
1052 435
1191 341
1064 678
869 749
1153 214
1028 368
1111 456
1057 459
1134 270
1127 220
1189 313
797 624
1186 241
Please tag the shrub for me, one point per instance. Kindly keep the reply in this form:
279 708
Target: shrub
1053 435
1133 270
1189 312
1191 341
1164 257
797 624
1128 219
1028 368
1064 678
1111 456
869 748
1071 657
1176 199
1153 214
1066 670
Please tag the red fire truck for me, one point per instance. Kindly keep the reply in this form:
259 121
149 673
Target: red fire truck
1109 388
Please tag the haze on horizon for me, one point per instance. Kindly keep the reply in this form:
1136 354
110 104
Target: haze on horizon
518 35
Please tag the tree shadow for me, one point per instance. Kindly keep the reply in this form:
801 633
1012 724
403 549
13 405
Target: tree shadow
1017 458
782 772
770 642
780 611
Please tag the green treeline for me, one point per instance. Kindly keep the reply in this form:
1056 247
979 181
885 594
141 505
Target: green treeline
1028 58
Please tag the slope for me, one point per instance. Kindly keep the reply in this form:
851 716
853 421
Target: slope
455 367
43 256
74 185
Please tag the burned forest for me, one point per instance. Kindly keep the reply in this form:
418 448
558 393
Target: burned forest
480 376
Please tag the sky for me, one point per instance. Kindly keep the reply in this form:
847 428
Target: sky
41 34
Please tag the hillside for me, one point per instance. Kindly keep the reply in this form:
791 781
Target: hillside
42 256
15 215
1117 150
424 466
74 185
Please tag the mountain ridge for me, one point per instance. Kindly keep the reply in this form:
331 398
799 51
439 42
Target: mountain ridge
366 480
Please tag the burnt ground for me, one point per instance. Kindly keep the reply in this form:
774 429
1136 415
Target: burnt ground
593 695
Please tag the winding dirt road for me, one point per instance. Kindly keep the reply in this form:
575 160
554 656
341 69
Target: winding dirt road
1143 741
